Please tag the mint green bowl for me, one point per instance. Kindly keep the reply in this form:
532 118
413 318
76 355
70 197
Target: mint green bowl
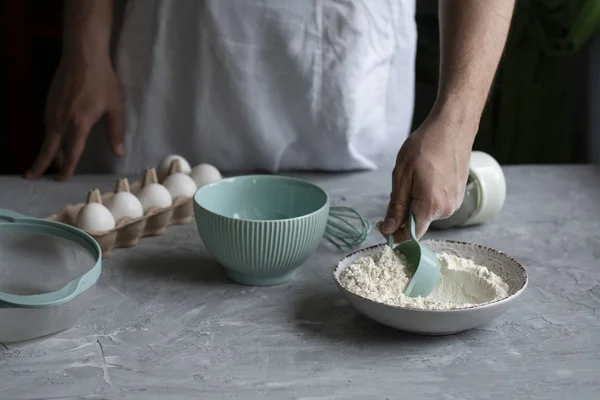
261 228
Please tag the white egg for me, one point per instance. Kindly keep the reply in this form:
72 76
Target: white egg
163 168
154 195
94 217
124 205
180 184
205 173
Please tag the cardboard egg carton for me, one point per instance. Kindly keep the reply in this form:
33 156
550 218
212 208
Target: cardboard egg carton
128 231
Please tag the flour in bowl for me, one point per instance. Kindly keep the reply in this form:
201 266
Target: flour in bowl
462 283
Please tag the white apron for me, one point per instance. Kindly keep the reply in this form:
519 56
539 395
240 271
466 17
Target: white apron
264 85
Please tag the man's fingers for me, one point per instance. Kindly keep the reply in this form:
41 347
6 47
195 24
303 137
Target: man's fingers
423 216
59 159
49 149
402 234
116 131
399 201
73 150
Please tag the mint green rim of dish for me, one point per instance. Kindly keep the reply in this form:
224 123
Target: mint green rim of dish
11 221
268 177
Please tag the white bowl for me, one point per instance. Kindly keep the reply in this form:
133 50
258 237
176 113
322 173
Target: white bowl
441 322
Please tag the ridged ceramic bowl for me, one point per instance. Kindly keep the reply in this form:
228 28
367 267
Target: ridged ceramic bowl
261 228
441 322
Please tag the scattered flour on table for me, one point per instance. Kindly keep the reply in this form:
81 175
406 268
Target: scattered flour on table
462 283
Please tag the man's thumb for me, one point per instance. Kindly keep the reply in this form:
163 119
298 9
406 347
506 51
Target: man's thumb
396 212
116 131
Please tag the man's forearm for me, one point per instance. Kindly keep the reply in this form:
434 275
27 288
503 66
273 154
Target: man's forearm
86 29
472 38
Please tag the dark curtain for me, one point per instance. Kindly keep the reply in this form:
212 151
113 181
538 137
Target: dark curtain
530 116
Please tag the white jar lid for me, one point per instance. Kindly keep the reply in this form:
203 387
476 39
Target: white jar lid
491 186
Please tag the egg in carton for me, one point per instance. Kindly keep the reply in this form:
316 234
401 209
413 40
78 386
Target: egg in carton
146 208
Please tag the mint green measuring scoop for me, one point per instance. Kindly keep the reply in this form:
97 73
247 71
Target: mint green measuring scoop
423 262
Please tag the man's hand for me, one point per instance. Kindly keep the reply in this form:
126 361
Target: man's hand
79 95
432 166
83 89
430 175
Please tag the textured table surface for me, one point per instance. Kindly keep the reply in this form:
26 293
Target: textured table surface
167 324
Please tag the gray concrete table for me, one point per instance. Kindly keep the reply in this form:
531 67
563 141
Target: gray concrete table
167 324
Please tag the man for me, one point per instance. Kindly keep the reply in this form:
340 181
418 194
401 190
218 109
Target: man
276 85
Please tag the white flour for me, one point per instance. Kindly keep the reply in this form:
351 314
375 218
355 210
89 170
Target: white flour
462 283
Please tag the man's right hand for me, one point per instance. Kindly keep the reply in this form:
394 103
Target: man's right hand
80 94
